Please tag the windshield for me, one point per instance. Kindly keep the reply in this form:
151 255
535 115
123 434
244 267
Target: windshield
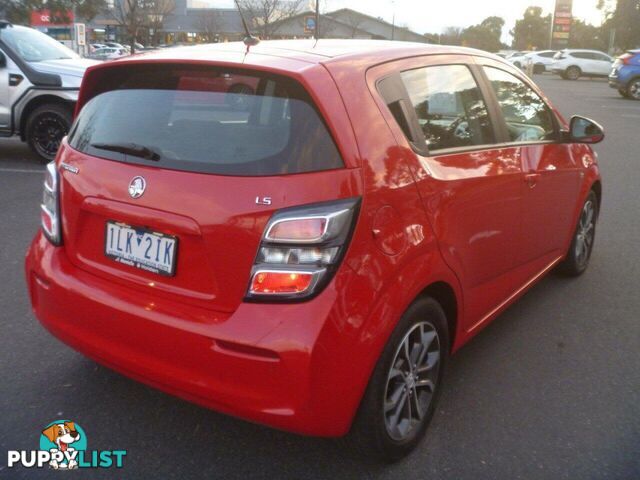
34 46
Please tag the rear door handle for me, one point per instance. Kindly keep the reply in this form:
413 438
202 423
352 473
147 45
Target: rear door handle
532 179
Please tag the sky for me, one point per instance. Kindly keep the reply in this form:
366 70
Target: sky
434 15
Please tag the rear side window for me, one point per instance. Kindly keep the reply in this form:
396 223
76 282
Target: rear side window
582 55
527 116
449 106
206 120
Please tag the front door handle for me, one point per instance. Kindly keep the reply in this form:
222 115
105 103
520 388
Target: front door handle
532 179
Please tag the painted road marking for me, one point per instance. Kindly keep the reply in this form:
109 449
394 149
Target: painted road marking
21 170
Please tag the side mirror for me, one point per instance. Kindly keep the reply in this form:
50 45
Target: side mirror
584 130
3 60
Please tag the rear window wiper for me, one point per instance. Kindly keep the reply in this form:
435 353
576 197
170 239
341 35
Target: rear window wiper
130 149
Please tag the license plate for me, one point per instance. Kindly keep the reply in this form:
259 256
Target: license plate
141 248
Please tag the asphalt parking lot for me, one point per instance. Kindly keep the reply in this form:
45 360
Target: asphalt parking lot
551 390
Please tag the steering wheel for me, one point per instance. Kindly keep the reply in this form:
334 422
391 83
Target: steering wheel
460 129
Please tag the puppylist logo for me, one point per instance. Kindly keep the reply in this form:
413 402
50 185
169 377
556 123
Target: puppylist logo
63 446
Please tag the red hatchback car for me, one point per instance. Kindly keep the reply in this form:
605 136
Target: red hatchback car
310 256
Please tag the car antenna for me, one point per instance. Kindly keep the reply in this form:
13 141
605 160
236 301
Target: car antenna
249 40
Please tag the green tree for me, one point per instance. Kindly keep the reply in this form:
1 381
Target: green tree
585 35
451 36
485 36
623 16
532 30
494 25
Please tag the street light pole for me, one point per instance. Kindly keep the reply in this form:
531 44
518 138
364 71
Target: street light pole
393 21
317 19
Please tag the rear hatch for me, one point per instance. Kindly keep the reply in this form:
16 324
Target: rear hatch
171 173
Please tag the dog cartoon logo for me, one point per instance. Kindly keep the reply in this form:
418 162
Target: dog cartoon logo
63 446
66 438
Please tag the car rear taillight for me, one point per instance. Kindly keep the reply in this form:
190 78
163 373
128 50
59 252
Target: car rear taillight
626 58
50 207
301 250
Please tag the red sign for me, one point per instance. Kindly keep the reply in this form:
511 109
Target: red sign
42 18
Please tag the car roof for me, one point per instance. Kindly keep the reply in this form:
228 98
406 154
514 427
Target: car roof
370 52
582 50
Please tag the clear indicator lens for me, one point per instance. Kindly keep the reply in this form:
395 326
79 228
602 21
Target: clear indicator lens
303 229
49 208
298 256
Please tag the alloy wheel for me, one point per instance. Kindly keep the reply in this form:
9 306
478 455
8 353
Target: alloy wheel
634 89
573 73
48 131
412 381
586 233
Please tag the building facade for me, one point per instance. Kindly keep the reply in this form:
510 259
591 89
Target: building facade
188 23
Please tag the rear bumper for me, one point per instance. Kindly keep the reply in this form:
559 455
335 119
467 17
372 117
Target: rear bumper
213 359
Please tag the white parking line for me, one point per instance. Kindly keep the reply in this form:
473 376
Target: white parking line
21 170
623 107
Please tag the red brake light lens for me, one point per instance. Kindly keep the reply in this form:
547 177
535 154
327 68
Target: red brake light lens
274 282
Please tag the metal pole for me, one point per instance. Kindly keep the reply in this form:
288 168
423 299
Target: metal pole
317 19
393 26
393 20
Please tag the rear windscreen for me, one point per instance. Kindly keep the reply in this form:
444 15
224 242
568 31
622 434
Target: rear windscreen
206 120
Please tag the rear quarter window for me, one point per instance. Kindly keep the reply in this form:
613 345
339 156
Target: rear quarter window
208 120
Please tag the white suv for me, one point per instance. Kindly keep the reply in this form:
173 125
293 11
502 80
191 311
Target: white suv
572 64
39 83
541 60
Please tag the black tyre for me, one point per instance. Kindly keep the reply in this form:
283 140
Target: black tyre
633 89
577 259
623 92
573 73
401 397
46 126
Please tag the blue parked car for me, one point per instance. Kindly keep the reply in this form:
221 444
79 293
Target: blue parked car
625 75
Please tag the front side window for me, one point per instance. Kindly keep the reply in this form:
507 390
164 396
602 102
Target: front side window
527 117
449 106
207 120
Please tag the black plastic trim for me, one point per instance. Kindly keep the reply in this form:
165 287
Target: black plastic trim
14 128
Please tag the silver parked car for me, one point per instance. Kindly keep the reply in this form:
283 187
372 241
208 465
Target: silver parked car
39 83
